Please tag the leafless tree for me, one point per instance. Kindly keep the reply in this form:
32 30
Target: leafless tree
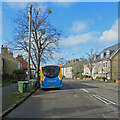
90 60
61 61
44 37
77 67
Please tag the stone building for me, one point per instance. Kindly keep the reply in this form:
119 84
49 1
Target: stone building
7 62
106 63
72 67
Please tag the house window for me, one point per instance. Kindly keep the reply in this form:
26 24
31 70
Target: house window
93 65
106 64
107 53
103 64
101 55
98 65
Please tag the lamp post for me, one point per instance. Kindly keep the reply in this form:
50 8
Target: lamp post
29 43
73 55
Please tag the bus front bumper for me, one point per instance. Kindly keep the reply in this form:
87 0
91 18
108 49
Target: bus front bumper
52 86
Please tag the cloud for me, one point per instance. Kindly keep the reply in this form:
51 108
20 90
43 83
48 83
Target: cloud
59 55
110 35
78 26
77 39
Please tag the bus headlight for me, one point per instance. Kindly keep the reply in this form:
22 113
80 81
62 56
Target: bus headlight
60 81
42 83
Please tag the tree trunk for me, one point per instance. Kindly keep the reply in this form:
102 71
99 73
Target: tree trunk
37 71
91 74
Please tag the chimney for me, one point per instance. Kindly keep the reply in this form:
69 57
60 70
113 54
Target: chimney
20 55
10 53
4 49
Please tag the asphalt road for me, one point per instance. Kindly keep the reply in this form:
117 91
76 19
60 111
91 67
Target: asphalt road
77 99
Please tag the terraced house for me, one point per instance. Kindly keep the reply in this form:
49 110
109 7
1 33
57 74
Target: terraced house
72 67
7 62
106 63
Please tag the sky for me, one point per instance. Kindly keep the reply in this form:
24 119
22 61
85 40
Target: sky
85 25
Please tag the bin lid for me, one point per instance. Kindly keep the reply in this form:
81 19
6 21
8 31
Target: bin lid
20 81
32 80
26 81
23 81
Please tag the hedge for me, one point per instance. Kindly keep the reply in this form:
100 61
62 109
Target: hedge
100 77
79 76
18 71
86 76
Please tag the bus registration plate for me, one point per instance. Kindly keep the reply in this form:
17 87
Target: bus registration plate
52 86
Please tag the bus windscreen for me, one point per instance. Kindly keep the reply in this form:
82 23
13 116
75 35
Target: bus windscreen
51 71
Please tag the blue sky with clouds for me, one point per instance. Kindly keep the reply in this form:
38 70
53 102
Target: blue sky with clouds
85 25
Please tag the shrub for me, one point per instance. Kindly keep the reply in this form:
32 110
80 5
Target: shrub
11 76
104 78
78 73
18 71
13 81
79 76
63 76
100 77
84 76
87 76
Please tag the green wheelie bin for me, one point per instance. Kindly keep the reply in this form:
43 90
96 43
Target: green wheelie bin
23 86
26 83
32 83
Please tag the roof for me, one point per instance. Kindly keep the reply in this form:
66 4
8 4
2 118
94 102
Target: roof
50 65
70 64
112 50
24 62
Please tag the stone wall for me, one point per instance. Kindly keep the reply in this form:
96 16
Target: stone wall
9 62
116 66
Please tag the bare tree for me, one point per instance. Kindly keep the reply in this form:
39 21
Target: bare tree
44 37
61 61
77 67
90 60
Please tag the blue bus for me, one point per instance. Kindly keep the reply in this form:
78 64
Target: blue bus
51 76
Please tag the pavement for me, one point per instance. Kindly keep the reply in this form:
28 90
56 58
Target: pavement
9 89
113 86
77 99
8 93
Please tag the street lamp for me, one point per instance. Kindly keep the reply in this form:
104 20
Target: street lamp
29 43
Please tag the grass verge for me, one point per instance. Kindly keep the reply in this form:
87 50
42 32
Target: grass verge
11 99
7 83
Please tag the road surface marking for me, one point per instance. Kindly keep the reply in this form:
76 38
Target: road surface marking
37 95
106 99
85 90
103 115
101 100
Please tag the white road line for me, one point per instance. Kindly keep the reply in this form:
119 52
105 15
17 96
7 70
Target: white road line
85 90
106 99
103 115
101 99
